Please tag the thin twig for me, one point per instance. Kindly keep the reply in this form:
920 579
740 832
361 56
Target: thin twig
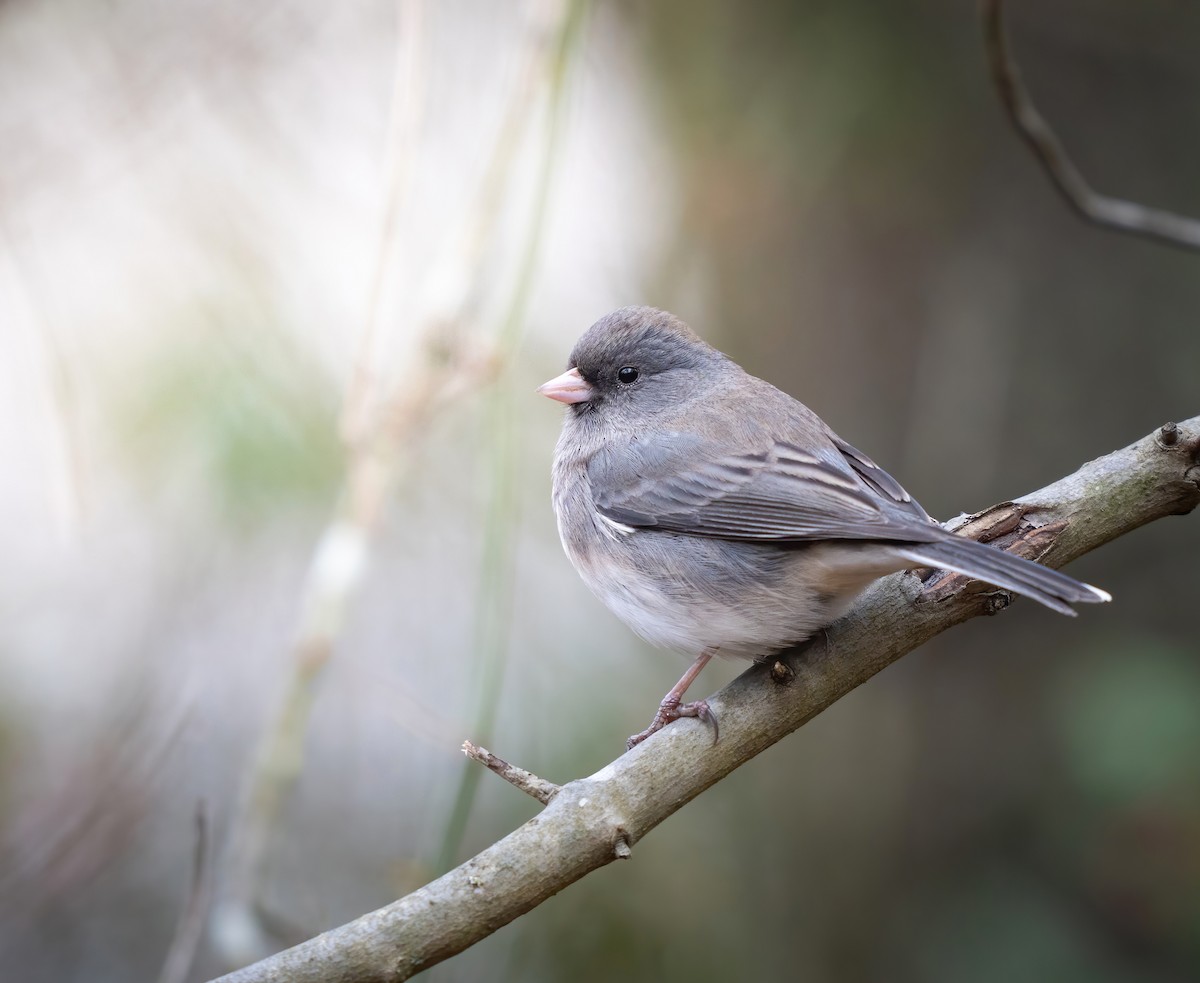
526 781
191 921
1110 213
593 821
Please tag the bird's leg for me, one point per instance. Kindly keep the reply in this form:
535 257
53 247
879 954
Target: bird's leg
671 707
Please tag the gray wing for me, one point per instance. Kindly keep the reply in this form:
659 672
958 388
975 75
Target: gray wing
878 479
780 493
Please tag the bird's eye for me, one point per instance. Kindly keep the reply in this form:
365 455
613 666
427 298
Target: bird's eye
627 375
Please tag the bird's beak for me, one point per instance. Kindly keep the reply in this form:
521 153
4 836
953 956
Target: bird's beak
569 387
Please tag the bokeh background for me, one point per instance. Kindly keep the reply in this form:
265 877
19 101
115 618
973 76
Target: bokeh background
277 282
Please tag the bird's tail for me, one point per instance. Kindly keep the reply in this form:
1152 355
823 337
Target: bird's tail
994 566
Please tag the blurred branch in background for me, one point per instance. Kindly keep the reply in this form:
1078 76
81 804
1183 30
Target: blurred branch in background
593 821
57 844
494 608
403 128
383 420
190 929
1110 213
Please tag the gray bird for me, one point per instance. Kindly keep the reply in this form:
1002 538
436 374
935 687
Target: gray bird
713 513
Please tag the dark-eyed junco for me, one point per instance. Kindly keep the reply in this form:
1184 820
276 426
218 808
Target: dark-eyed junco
715 514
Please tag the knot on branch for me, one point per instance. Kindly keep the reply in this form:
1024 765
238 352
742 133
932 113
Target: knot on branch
781 673
1175 439
996 602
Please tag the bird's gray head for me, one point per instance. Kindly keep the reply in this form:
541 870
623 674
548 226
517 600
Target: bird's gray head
633 364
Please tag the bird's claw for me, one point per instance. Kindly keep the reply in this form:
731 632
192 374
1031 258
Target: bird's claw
670 710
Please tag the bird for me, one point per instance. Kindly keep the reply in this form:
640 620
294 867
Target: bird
716 514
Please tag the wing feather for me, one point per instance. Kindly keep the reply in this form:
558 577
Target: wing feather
780 494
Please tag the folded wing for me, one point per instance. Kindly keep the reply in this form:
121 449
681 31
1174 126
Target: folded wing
780 493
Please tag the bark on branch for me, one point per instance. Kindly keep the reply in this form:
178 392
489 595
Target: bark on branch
595 820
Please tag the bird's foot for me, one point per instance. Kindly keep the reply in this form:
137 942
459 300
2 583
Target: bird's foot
671 709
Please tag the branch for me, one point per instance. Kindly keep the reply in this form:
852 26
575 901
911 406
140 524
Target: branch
526 781
1110 213
593 821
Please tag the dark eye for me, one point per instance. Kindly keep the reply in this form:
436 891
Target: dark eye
627 375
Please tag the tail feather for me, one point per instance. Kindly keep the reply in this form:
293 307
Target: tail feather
994 566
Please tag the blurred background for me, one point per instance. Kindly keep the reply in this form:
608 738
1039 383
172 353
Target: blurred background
277 282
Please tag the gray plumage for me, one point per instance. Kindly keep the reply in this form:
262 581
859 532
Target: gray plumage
711 511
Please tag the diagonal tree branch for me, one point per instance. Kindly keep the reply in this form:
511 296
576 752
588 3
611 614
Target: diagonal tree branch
1110 213
593 821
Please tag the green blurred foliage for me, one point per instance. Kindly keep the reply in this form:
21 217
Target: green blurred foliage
258 421
1124 827
1129 727
997 925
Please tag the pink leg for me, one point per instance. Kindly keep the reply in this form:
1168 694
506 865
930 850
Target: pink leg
671 708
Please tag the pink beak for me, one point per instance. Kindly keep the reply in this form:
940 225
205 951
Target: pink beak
569 387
